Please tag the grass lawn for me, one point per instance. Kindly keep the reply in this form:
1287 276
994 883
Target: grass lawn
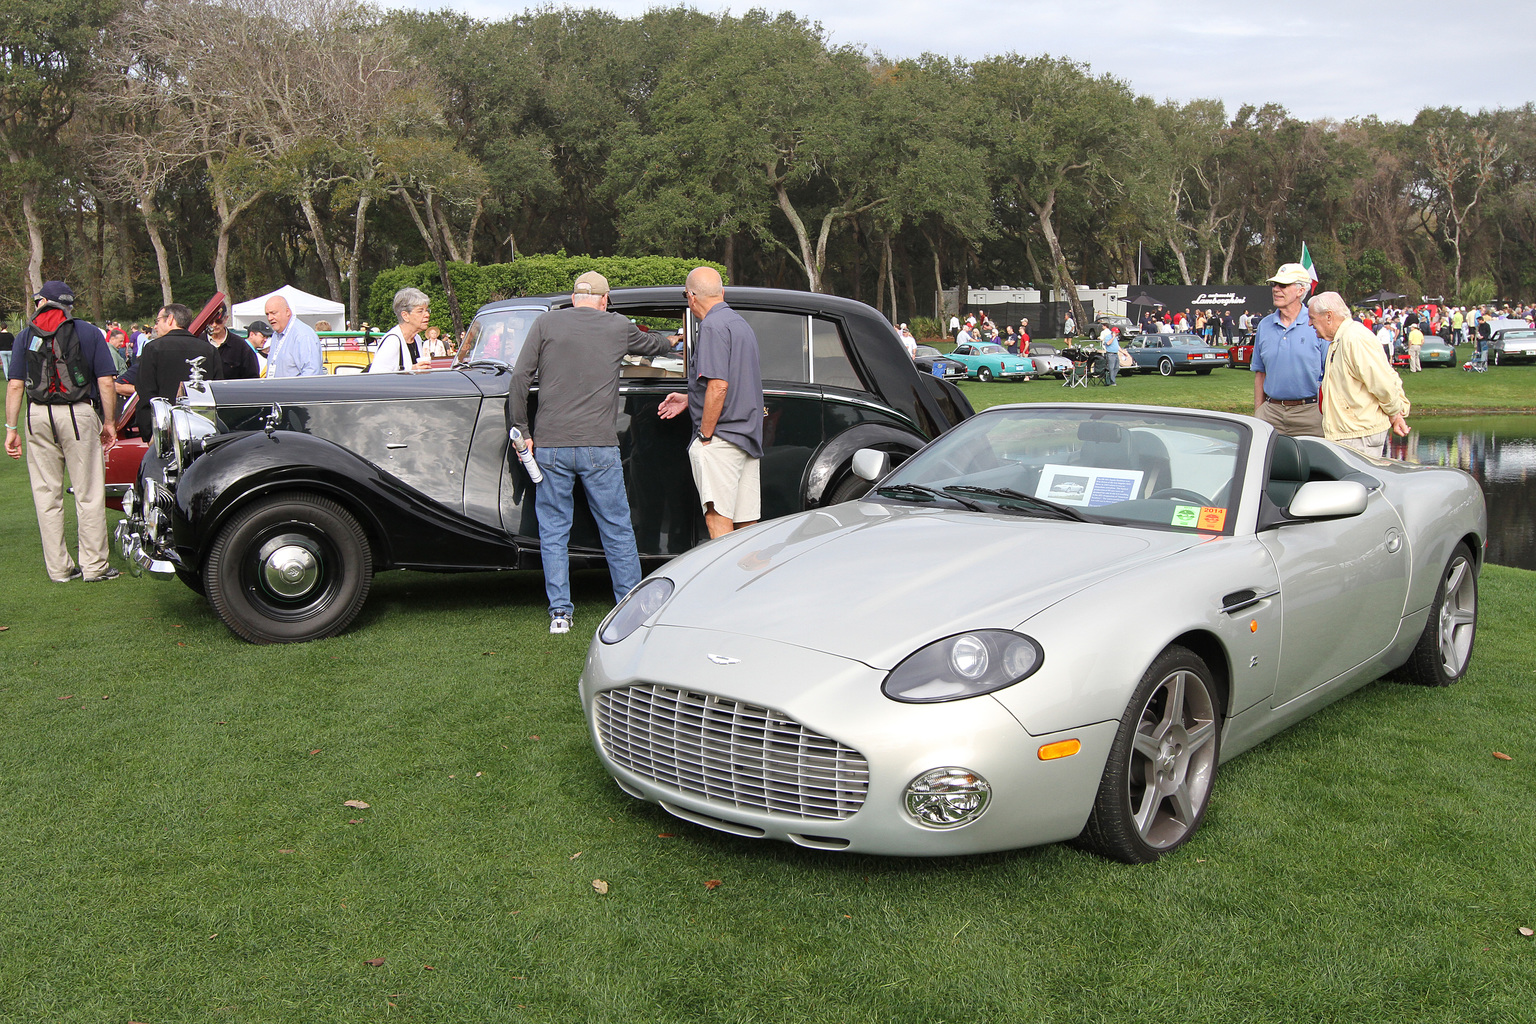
175 844
1441 391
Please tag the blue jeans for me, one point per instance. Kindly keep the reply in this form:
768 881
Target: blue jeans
602 477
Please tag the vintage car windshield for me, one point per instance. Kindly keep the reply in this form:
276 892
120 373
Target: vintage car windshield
1147 468
498 334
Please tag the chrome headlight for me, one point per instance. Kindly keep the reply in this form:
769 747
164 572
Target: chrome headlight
636 608
160 416
965 665
185 427
947 797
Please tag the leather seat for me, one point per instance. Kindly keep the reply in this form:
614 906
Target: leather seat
1289 468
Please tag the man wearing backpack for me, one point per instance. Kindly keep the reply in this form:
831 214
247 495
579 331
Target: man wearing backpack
65 369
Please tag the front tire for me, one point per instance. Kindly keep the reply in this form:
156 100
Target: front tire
289 568
1444 650
983 374
1162 765
1165 366
848 488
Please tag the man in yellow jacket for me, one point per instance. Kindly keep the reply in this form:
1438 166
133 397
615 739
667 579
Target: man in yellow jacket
1362 396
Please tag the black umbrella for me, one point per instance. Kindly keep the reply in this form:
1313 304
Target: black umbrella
1383 296
1146 300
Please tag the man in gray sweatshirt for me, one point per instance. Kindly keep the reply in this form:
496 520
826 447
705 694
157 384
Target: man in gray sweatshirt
576 353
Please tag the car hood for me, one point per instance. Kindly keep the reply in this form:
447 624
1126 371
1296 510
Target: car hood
873 582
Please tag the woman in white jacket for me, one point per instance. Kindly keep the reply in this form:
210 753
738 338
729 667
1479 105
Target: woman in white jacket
402 348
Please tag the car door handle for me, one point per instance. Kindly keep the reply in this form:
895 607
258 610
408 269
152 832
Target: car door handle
392 447
1240 599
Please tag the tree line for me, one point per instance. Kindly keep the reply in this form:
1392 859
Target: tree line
160 150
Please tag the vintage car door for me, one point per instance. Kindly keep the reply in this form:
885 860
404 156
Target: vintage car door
1343 584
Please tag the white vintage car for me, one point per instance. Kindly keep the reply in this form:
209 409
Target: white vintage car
1053 623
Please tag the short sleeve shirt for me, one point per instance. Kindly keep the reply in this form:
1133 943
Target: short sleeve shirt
93 349
1292 358
727 350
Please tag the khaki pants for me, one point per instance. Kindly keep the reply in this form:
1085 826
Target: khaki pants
1295 420
1413 358
1370 444
53 448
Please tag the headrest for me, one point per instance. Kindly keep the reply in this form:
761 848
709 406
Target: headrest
1100 430
1288 460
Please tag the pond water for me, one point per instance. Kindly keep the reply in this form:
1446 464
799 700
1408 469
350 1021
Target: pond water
1500 451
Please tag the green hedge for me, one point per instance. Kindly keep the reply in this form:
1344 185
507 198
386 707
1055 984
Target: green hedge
477 284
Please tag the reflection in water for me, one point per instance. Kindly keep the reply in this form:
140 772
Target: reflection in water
1500 451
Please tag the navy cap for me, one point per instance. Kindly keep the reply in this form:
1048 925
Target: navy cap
56 291
260 327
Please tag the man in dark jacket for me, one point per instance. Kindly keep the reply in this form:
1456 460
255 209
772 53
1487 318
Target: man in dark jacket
236 358
172 356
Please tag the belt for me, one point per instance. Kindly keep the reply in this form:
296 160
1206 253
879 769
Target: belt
1292 401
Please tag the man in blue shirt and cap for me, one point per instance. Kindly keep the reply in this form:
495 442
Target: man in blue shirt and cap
1289 358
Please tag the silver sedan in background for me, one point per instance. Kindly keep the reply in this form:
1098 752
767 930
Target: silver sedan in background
1052 623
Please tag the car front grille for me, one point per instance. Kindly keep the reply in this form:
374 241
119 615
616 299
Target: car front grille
729 751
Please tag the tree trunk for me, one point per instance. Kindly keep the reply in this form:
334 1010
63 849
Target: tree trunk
729 257
1231 251
354 278
34 239
429 235
890 276
807 259
1063 276
162 258
322 245
885 258
227 217
125 250
906 273
1183 263
440 224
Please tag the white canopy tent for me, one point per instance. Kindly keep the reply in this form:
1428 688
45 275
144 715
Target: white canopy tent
308 308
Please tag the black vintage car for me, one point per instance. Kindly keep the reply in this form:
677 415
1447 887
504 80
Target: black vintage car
279 499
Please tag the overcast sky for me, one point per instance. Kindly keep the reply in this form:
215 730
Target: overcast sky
1343 59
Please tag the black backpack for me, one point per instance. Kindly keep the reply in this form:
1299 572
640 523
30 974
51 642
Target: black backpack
56 370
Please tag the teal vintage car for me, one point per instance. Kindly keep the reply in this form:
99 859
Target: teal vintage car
985 360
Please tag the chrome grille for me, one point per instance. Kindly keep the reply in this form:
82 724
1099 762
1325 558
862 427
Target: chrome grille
731 752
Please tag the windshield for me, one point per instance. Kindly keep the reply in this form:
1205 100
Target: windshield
989 350
1150 468
498 334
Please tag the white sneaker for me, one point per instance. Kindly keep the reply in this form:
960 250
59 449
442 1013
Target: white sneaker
560 624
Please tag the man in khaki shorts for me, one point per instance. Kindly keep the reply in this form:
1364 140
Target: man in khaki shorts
725 399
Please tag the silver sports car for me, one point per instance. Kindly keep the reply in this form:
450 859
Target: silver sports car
1054 622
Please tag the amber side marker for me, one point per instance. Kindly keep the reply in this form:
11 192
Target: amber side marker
1061 748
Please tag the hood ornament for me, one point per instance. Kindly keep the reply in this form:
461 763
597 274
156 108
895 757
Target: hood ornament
721 659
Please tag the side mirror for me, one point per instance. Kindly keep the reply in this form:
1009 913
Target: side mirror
1328 499
871 465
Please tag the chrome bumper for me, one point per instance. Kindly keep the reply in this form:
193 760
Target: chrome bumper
134 540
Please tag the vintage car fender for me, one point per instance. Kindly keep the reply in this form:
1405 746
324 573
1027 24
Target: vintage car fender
405 528
834 462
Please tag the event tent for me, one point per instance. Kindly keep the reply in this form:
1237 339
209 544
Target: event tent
308 308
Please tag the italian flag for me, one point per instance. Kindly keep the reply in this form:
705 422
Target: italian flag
1306 261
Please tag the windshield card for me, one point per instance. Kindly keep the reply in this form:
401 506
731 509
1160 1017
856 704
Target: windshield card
1088 486
1200 517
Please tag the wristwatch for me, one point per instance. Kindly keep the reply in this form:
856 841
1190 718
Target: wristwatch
705 439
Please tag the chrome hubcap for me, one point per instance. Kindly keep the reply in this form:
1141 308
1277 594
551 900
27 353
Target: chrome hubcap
1458 618
289 570
1173 760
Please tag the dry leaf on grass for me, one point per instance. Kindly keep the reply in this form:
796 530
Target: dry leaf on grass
666 835
375 962
1502 756
713 883
354 821
601 886
314 752
66 697
1527 932
429 967
575 855
359 804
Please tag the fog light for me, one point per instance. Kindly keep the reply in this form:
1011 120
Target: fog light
947 797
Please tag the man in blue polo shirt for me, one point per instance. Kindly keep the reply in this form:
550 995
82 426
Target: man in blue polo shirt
1289 358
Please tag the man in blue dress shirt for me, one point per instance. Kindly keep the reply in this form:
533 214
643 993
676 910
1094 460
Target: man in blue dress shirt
295 347
1289 358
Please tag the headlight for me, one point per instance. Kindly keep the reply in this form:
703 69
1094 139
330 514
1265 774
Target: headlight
965 665
947 797
161 418
638 606
187 426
